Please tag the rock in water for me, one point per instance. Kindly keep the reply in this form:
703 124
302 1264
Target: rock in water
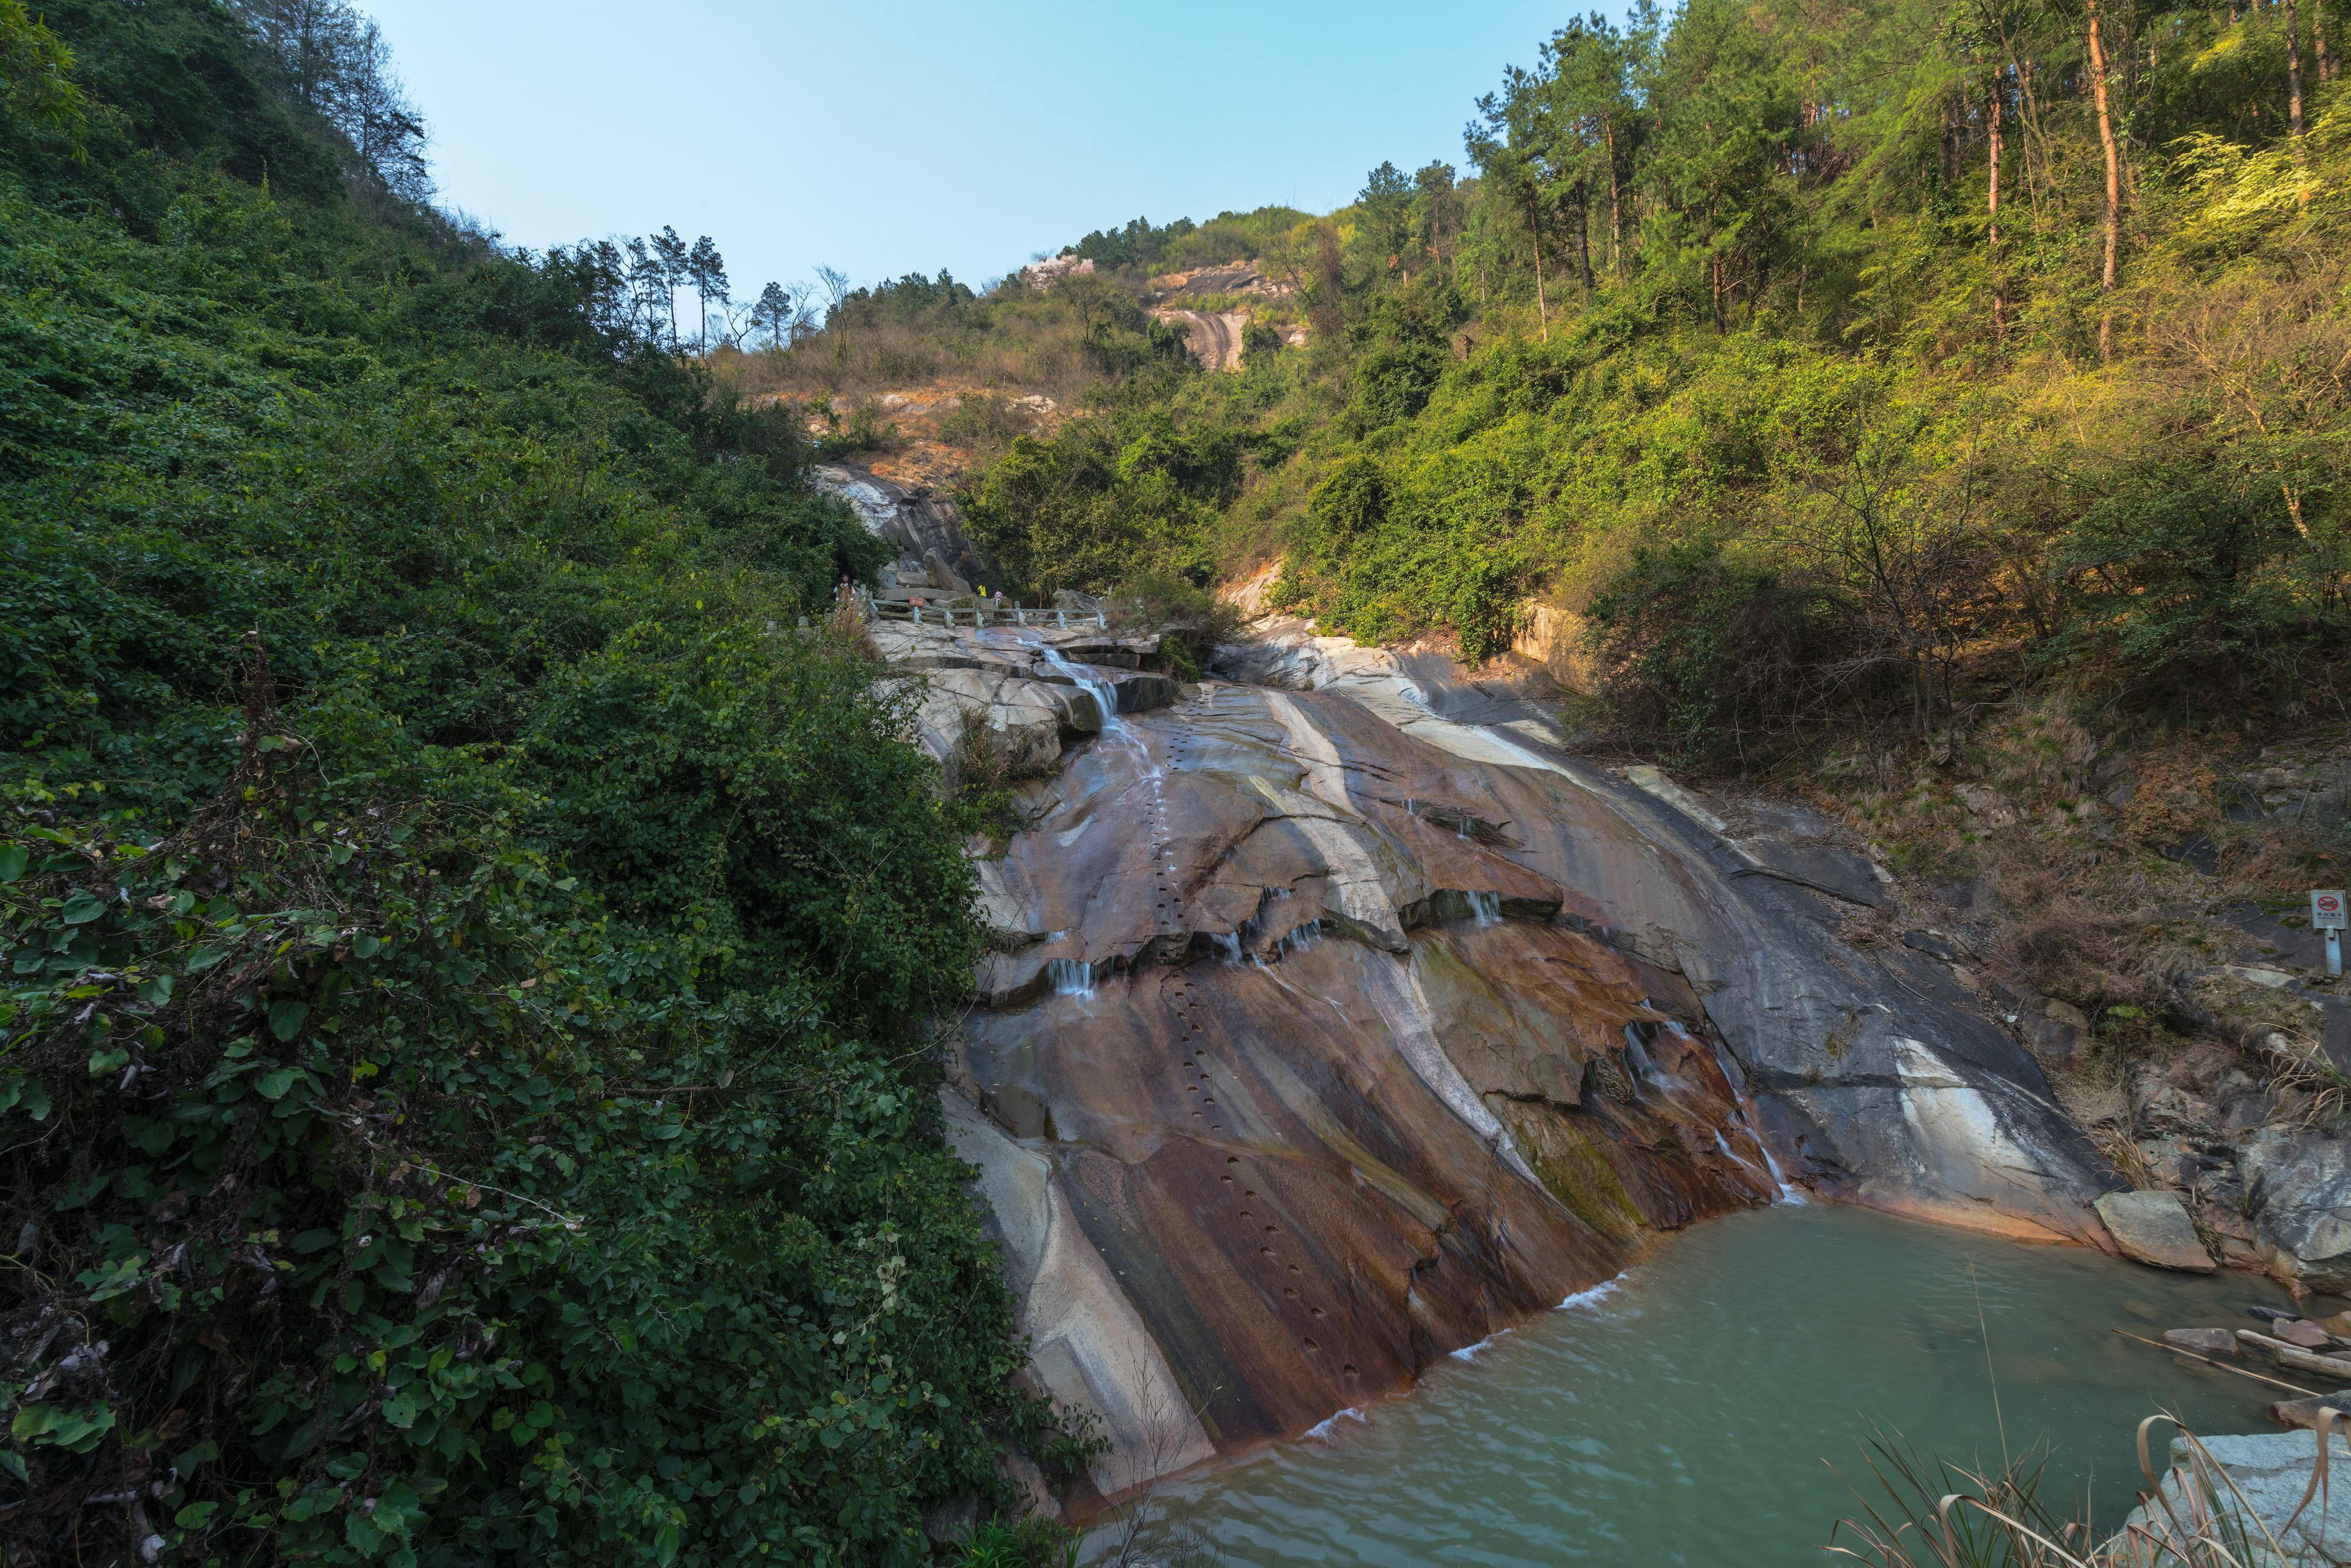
2204 1342
2300 1331
2154 1228
2304 1413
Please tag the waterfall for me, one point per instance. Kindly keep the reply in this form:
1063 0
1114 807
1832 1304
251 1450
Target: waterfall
1104 694
1746 1103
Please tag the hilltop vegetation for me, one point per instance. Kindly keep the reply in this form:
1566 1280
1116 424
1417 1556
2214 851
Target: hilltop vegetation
465 1082
1805 356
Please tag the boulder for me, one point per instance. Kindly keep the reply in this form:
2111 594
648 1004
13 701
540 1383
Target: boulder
2301 1331
2154 1228
917 523
2203 1341
2299 1187
1028 717
2050 1041
2256 1485
950 1523
942 578
2304 1413
1931 944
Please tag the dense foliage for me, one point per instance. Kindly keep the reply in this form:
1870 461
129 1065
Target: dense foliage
1808 352
467 1092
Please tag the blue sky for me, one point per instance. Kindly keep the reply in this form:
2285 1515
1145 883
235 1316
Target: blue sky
883 138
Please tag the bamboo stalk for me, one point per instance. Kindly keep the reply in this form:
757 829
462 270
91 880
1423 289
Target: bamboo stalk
2223 1365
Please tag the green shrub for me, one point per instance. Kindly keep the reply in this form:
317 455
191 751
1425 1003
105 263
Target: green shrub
1706 658
466 1047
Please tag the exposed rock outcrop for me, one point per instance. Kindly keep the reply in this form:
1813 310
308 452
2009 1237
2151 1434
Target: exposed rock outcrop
918 522
2299 1188
1214 337
1036 687
1350 1023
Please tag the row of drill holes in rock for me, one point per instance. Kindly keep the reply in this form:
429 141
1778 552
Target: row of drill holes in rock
1289 1292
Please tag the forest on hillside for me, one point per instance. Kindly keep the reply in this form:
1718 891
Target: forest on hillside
1833 365
472 925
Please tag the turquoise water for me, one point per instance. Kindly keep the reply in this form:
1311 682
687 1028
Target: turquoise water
1682 1415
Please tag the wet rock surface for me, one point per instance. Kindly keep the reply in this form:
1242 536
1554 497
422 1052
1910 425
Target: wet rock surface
1327 1033
1038 687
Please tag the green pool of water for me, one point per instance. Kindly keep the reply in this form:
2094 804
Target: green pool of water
1682 1415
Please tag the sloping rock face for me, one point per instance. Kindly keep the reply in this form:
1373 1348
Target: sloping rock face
1038 687
918 522
1871 1064
1289 1024
1345 1034
1329 1030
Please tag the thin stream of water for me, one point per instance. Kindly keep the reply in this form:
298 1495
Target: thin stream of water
1682 1413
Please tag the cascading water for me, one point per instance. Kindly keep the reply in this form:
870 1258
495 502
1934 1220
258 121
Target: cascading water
1104 694
1789 1196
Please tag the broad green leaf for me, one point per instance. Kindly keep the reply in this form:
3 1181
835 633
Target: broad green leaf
12 861
196 1516
285 1018
82 908
74 1431
274 1085
103 1062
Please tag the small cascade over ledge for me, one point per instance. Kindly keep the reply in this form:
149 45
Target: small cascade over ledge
1326 1033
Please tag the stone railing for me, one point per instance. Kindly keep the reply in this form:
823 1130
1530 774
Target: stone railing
981 615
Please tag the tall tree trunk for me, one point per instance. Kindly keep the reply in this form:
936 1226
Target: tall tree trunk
1616 196
1999 287
2294 89
2318 41
2114 180
1719 326
1542 311
1583 236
